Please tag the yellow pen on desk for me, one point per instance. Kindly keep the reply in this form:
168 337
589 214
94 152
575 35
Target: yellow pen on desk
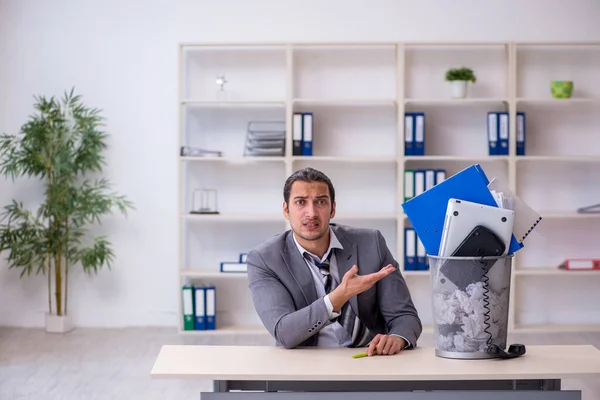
361 355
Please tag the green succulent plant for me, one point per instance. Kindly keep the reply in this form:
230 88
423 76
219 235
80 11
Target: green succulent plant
461 74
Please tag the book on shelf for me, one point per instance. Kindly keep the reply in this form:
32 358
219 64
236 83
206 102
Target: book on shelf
417 181
498 128
415 256
199 307
302 133
414 134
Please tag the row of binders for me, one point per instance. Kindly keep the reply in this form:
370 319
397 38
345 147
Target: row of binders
199 307
414 134
415 256
302 134
418 181
235 266
497 131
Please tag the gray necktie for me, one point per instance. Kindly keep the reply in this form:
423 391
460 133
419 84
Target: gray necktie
347 318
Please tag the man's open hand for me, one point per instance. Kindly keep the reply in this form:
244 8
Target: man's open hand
386 345
353 284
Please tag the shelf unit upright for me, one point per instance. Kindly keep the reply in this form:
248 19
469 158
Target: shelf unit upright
359 93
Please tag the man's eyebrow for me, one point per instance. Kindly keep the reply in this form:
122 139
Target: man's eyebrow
318 197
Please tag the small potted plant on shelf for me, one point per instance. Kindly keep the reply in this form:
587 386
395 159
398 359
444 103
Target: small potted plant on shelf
459 79
59 145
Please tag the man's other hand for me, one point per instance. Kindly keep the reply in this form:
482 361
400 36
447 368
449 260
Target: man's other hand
386 345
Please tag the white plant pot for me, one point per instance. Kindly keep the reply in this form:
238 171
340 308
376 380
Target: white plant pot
58 324
459 89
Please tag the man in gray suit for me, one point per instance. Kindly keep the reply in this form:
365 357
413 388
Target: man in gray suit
323 284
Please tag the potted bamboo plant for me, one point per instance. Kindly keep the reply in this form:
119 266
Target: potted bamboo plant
60 144
459 78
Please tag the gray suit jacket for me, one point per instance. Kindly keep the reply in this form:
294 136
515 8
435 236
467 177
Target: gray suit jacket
285 297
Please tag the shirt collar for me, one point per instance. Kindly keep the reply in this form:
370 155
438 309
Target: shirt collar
334 243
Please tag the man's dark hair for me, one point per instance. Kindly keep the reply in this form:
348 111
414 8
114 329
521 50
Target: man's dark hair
307 174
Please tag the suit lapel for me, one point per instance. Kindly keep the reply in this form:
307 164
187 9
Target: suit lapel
299 270
346 258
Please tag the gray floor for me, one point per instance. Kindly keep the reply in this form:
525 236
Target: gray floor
116 363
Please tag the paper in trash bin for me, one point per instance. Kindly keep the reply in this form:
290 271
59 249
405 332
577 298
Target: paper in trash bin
461 317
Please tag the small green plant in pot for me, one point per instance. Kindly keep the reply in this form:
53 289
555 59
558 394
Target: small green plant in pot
459 79
60 145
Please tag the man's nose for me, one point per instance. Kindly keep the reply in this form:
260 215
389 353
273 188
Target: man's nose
310 210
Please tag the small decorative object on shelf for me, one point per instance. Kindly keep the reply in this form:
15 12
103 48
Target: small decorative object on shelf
204 201
199 152
593 209
580 264
459 78
265 138
561 89
221 93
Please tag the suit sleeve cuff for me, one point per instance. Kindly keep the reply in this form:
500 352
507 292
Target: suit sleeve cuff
329 306
408 344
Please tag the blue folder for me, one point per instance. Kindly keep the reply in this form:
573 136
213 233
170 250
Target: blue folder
427 212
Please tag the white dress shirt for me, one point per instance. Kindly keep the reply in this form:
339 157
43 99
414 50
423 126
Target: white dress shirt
333 334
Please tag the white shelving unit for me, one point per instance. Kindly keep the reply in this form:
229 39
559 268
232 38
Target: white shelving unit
359 93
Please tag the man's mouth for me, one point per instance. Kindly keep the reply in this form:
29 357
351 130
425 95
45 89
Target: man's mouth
313 224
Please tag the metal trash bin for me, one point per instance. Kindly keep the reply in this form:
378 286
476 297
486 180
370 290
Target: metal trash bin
470 300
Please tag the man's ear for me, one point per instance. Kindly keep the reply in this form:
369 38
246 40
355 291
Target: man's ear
286 211
332 214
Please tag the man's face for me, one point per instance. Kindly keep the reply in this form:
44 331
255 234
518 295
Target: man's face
309 209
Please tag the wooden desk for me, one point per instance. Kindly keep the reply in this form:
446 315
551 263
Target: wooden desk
306 370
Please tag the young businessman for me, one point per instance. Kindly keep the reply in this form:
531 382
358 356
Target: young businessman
323 284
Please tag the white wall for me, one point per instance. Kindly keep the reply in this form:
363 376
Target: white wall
122 56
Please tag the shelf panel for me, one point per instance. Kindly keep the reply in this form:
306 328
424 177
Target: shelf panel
251 73
366 216
426 65
455 128
341 159
353 129
351 198
231 330
212 275
566 215
562 102
556 272
565 158
233 103
341 102
225 128
455 102
558 187
232 217
416 273
233 160
279 217
538 65
457 158
545 328
346 72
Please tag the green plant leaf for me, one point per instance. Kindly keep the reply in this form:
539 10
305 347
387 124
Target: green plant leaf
60 144
461 74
